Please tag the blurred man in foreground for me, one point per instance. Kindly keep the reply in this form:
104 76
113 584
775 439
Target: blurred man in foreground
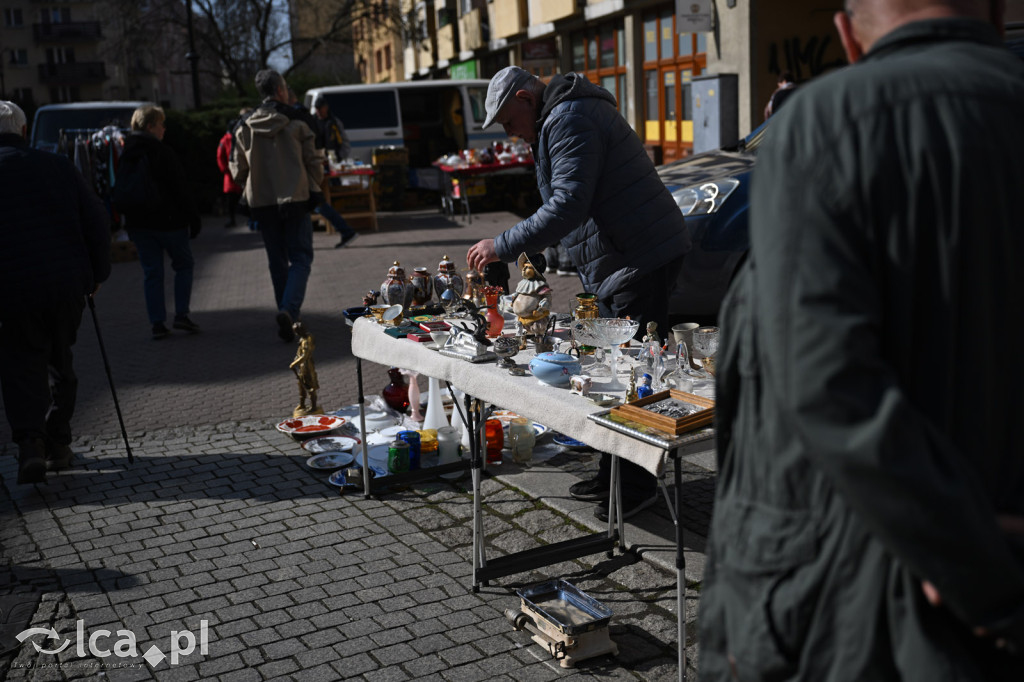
54 251
869 516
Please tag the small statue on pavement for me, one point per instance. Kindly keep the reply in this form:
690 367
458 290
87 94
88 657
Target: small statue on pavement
531 303
305 372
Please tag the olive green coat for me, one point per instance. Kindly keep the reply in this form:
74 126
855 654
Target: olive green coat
871 386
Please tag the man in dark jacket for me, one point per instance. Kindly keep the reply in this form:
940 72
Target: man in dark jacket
54 251
604 201
163 225
870 386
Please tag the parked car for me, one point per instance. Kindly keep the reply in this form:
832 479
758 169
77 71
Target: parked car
713 192
87 117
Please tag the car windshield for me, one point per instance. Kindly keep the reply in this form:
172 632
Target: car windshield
48 124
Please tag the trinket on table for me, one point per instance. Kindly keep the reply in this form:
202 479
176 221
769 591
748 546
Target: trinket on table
531 303
305 372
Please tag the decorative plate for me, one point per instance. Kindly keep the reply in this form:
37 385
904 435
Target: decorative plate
339 443
568 442
302 428
330 460
378 458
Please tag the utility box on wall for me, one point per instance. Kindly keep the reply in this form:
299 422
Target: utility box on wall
715 111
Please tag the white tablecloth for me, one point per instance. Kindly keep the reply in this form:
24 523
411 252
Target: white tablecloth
551 406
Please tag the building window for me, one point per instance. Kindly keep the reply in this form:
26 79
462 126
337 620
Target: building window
60 55
64 94
380 63
671 60
55 15
22 95
600 53
13 17
19 57
387 58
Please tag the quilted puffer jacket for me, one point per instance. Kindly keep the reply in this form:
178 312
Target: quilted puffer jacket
602 197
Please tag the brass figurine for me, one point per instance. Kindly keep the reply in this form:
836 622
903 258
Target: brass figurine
305 372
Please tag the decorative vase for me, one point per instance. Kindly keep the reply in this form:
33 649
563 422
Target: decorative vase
422 285
586 307
395 289
495 321
434 418
474 285
447 277
396 393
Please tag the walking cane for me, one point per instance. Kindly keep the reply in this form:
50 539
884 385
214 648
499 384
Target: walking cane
110 378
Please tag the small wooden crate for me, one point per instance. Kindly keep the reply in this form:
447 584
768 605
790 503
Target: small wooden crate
635 411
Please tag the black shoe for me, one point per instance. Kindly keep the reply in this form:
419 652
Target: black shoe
31 461
345 241
186 324
160 330
591 490
58 456
284 326
629 507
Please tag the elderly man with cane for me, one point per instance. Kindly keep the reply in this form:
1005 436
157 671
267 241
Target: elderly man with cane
54 251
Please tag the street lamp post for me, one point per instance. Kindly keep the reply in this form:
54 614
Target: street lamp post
192 56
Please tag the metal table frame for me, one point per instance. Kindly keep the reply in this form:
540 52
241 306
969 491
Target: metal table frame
674 447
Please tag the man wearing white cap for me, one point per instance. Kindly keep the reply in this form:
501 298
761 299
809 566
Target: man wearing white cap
604 201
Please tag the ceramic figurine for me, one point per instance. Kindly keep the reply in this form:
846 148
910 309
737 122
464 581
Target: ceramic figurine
395 289
644 389
422 285
580 384
305 372
447 277
370 297
631 391
531 302
652 334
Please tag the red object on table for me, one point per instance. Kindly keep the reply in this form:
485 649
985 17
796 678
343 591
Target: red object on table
482 168
495 435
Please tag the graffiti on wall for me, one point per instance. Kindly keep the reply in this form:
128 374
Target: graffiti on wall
805 57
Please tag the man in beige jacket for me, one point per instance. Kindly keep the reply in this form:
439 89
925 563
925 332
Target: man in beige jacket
276 162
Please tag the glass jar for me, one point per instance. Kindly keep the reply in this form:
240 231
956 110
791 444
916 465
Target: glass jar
495 436
521 439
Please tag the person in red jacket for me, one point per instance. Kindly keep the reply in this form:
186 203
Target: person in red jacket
232 190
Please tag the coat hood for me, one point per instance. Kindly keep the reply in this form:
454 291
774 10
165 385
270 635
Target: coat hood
267 120
571 86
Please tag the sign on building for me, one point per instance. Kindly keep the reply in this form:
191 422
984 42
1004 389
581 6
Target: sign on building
693 16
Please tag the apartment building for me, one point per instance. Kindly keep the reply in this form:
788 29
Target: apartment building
81 50
650 54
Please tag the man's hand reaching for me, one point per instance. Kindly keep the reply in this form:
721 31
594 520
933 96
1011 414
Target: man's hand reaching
480 254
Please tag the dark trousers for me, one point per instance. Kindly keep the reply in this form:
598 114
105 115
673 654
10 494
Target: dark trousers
644 301
35 348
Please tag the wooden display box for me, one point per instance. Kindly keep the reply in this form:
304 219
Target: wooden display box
637 412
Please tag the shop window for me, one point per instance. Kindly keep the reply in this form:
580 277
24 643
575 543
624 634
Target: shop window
600 53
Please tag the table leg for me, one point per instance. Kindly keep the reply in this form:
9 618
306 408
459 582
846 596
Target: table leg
680 564
362 427
479 556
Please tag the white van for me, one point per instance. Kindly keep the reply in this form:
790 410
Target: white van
429 118
51 119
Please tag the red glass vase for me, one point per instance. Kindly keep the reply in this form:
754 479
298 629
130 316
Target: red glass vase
396 393
495 321
495 437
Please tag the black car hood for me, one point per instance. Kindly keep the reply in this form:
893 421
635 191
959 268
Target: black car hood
707 166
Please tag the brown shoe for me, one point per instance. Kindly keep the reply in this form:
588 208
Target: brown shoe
31 461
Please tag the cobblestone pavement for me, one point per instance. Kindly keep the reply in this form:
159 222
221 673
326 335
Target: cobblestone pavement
219 522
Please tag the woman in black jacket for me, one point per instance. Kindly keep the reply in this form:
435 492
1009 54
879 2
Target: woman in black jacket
161 218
